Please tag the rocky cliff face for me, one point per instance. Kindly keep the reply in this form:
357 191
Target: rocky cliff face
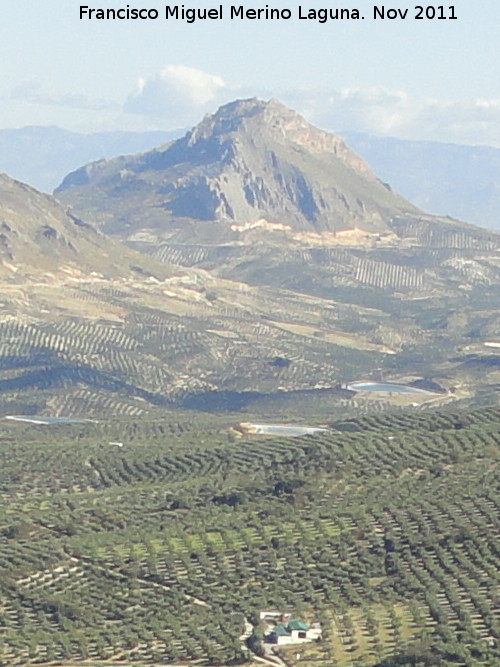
251 161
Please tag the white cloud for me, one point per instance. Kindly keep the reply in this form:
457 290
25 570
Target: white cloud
179 94
32 93
396 113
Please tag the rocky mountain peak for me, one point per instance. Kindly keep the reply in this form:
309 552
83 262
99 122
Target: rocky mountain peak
227 119
273 120
252 160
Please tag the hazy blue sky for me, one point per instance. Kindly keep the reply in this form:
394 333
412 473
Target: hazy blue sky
422 79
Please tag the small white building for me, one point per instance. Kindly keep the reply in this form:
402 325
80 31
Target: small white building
295 632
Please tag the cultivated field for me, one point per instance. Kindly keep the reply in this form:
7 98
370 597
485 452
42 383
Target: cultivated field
385 529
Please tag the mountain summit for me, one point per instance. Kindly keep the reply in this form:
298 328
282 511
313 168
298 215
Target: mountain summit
252 162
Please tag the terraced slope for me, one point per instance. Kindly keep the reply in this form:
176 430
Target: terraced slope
126 346
80 344
156 551
76 343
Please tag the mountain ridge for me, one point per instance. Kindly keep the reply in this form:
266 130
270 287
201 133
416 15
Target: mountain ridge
39 238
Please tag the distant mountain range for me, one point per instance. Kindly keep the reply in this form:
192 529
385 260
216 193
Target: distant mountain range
445 179
42 156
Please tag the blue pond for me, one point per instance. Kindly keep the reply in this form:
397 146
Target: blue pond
46 421
387 387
